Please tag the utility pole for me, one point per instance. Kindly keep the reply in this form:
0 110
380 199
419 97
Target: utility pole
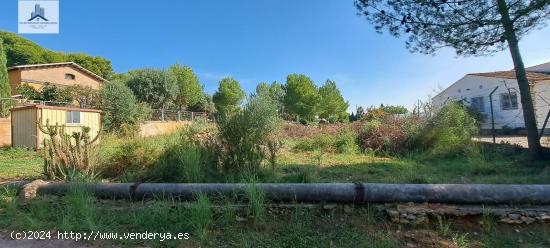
492 115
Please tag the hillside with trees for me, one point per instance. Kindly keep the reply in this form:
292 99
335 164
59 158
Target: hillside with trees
21 51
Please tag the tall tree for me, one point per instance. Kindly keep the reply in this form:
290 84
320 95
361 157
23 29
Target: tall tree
471 27
301 96
274 91
189 88
333 106
158 88
5 88
229 96
120 106
21 51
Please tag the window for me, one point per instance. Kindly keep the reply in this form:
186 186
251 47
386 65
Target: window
509 101
477 104
69 76
73 117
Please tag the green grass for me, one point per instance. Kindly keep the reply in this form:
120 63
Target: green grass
281 227
412 169
16 163
300 166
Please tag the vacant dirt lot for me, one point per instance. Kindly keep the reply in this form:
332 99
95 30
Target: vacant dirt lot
519 140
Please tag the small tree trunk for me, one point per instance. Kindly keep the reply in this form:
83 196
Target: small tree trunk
529 115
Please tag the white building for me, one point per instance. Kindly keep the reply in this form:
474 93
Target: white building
474 89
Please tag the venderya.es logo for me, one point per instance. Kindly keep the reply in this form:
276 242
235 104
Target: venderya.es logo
38 17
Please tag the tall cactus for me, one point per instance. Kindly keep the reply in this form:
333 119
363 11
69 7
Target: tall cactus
67 155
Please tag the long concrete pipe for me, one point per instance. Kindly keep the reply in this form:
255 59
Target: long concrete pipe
327 192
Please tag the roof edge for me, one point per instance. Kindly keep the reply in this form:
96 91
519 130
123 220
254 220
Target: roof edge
60 64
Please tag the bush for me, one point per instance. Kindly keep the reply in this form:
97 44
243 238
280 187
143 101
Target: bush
120 108
5 106
450 131
244 134
343 142
388 135
123 156
184 163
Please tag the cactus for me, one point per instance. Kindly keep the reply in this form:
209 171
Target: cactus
68 155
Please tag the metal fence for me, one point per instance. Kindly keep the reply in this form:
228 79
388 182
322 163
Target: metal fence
176 115
24 102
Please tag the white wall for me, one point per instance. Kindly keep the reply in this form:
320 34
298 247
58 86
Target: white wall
474 86
541 97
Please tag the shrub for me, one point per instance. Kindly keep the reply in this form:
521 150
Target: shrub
122 156
121 112
5 106
244 134
28 92
343 142
389 135
68 156
181 164
450 131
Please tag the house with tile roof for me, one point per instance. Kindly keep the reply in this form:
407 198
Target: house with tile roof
58 74
474 89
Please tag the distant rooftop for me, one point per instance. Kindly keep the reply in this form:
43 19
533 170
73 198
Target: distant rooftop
531 76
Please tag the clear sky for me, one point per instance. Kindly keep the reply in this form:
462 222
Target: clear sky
265 40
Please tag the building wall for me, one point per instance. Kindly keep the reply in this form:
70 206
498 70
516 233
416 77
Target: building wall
478 86
24 129
57 116
541 98
5 132
14 77
54 75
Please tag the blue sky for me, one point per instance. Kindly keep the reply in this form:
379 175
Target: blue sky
265 40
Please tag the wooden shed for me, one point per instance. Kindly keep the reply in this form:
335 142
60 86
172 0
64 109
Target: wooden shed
24 122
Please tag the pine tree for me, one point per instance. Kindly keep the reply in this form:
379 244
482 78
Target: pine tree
5 89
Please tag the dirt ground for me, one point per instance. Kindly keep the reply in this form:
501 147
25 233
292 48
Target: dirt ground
518 140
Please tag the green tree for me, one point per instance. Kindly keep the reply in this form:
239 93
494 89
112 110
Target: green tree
5 88
471 28
55 94
119 106
394 109
205 104
333 105
28 92
85 96
273 91
189 89
96 64
229 96
301 96
158 88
